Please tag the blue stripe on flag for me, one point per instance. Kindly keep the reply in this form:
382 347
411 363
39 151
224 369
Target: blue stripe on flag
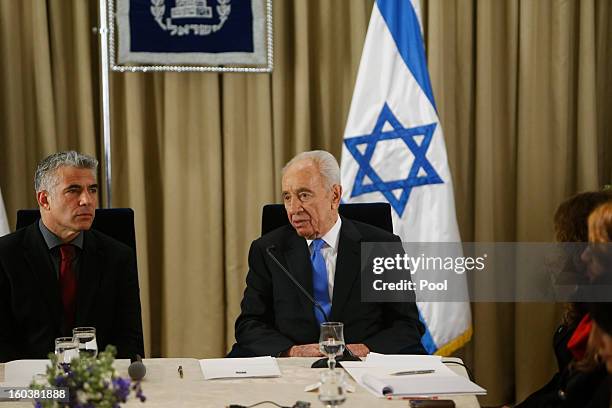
405 29
427 341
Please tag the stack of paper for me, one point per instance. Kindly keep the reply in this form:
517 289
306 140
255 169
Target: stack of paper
407 375
214 368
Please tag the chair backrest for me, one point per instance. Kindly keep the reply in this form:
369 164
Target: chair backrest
114 222
377 214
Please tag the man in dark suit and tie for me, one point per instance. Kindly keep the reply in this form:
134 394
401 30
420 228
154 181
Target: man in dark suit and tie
57 274
322 251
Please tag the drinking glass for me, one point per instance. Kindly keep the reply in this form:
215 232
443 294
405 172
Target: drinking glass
86 340
332 389
66 349
331 341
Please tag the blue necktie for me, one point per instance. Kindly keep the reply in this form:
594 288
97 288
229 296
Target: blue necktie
319 280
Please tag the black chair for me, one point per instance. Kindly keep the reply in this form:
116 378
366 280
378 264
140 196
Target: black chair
114 222
377 214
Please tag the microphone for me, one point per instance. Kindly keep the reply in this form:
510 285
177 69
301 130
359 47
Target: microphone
296 283
137 369
347 355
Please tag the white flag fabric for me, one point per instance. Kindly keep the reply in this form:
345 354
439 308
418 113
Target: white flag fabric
4 225
394 151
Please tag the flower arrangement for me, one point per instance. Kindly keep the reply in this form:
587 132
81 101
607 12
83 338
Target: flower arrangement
91 382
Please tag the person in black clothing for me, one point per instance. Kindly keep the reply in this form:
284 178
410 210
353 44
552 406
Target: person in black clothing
579 374
600 232
600 340
276 319
57 274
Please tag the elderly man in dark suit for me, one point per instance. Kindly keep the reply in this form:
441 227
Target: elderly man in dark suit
322 251
57 274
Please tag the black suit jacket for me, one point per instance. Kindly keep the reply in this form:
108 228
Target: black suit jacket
276 316
30 301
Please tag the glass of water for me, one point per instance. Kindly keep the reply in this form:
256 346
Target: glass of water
332 391
66 349
86 340
331 341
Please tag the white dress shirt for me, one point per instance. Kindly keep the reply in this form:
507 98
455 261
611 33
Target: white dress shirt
330 253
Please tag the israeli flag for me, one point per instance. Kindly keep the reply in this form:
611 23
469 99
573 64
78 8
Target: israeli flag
4 225
394 151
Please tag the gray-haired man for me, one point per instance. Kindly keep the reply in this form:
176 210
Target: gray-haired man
322 251
57 274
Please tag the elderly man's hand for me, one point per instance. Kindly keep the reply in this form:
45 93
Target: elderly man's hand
360 350
312 350
305 350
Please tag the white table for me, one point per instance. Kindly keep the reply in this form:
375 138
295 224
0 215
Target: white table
164 388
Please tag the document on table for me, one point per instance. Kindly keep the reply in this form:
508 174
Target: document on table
19 373
375 374
214 368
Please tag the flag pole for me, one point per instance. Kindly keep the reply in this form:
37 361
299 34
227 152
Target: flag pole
106 122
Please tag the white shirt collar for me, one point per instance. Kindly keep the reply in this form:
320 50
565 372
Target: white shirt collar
332 237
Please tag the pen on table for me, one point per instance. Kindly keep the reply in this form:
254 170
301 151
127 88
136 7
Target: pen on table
414 372
413 398
180 371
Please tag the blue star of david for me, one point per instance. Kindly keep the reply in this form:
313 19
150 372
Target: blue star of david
420 161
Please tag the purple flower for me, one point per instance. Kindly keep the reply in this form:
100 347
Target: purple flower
121 388
60 381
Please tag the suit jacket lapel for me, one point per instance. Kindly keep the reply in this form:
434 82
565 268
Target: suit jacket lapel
347 267
90 273
39 260
299 265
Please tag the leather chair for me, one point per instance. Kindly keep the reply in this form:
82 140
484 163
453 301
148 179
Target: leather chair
377 214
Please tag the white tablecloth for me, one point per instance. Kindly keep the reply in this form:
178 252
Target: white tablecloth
164 388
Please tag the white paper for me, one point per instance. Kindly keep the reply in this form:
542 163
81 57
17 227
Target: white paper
397 363
375 374
214 368
19 373
377 384
385 365
430 386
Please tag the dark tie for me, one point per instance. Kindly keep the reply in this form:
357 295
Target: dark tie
319 280
68 284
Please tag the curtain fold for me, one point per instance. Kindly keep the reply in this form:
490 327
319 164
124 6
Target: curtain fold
523 90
